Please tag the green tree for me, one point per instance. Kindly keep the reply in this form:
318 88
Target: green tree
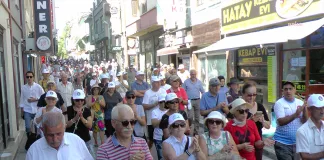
61 53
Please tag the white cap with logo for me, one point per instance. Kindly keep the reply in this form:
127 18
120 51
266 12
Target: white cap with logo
51 93
45 71
111 85
139 73
78 94
171 96
175 117
316 100
162 97
155 79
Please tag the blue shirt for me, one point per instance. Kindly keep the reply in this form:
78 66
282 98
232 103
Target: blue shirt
193 89
136 86
223 90
209 101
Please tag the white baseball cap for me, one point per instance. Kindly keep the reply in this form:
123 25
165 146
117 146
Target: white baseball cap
51 93
238 102
111 85
181 66
94 74
316 100
175 117
162 97
139 73
78 94
50 81
119 74
155 79
171 96
124 72
215 114
46 71
104 76
155 69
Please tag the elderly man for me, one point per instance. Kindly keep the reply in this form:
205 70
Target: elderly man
65 88
234 91
291 113
309 137
131 74
139 87
30 94
43 82
123 145
194 88
151 102
56 144
183 73
179 91
104 73
213 100
59 104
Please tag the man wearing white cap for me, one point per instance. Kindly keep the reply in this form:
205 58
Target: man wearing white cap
121 84
43 82
183 73
94 79
104 73
310 136
139 87
150 102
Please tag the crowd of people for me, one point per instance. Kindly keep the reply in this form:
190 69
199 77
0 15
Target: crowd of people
131 115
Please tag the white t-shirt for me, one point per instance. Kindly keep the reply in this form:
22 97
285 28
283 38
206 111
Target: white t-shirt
183 76
157 113
309 139
39 113
151 97
94 81
122 89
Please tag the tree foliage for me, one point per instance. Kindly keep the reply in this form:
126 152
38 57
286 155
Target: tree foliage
61 53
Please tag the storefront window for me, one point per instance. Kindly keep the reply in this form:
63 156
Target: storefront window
301 43
217 66
317 38
202 66
316 72
259 72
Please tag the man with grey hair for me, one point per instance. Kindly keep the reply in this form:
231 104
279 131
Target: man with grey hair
123 144
56 144
65 88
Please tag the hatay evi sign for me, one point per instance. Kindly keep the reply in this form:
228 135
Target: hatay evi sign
43 26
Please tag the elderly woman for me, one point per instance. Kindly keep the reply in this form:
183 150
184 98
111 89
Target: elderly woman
216 142
96 103
178 145
244 131
112 98
171 103
79 119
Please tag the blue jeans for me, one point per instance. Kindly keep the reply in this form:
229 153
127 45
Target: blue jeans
158 146
28 117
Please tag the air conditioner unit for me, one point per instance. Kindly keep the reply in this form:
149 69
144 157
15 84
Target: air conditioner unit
30 44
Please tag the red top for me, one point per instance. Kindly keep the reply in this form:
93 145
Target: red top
252 135
181 93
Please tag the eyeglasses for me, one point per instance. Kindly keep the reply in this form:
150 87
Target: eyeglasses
126 122
218 122
173 102
79 100
29 77
182 125
252 95
241 111
130 97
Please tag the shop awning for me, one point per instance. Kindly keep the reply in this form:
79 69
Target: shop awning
275 35
168 51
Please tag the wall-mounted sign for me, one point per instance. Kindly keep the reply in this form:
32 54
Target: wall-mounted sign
238 15
43 27
254 55
117 48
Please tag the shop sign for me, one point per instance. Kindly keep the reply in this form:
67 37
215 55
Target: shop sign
43 27
254 55
299 85
117 48
238 15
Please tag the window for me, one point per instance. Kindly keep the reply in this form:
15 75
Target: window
317 38
144 7
134 7
316 70
200 2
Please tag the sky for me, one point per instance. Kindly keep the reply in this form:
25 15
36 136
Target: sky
69 9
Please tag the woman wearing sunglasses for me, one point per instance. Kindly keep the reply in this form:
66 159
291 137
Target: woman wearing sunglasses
216 142
244 131
79 118
171 103
139 115
257 113
178 145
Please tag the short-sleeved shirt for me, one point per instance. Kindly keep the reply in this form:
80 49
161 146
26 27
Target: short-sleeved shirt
40 113
151 97
193 89
223 89
181 93
164 123
310 139
104 74
286 134
42 102
157 114
138 129
112 149
179 147
136 86
111 102
208 101
82 131
247 133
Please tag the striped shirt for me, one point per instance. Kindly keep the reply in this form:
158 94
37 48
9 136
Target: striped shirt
113 150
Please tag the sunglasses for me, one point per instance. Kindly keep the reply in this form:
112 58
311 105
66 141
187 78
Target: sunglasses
130 97
182 125
241 111
252 95
126 122
173 102
29 77
218 122
79 100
